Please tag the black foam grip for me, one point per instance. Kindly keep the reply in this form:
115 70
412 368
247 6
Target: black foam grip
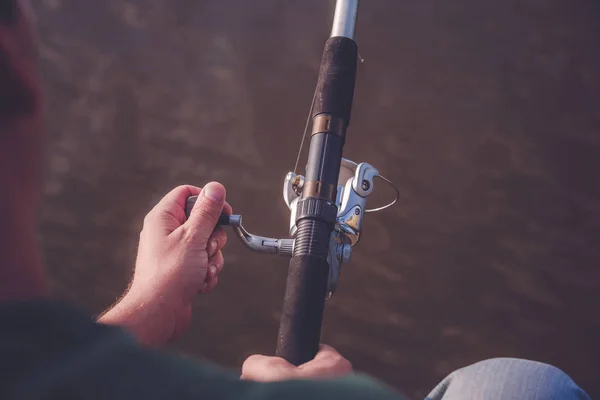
189 205
300 326
337 77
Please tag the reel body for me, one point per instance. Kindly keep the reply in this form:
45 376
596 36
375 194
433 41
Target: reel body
355 184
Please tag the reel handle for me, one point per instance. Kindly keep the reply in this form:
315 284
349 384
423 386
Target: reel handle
189 205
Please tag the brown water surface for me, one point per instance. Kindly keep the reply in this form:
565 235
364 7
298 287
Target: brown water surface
485 113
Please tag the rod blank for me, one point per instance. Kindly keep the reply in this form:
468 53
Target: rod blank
344 20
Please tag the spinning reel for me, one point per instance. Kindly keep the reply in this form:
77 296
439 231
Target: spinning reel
355 185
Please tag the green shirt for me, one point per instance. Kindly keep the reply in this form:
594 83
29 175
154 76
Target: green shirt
50 350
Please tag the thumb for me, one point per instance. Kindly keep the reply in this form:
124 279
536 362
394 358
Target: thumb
206 212
267 369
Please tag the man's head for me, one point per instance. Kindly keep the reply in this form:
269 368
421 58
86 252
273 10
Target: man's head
21 146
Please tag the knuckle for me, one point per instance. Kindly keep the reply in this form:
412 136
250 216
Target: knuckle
213 283
143 234
250 364
184 189
339 363
263 368
189 234
264 362
276 364
345 365
336 359
221 238
148 219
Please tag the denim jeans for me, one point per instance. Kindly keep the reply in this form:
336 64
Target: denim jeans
508 379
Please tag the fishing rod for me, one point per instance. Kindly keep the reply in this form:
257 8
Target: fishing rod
327 204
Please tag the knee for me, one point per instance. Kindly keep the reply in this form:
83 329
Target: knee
510 378
504 365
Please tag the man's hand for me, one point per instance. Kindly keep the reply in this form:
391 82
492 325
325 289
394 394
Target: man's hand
327 364
177 259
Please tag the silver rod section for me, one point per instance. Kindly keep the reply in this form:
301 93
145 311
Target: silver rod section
344 20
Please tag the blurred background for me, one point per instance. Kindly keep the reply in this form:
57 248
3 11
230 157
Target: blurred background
485 113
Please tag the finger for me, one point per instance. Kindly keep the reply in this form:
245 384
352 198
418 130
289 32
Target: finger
205 214
326 351
216 241
172 204
215 265
267 369
328 363
227 208
209 285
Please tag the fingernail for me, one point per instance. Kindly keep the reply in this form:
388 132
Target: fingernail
214 191
213 271
212 248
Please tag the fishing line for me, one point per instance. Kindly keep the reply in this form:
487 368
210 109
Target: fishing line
312 105
383 178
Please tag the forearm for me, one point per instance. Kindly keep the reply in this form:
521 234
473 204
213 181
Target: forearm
145 320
